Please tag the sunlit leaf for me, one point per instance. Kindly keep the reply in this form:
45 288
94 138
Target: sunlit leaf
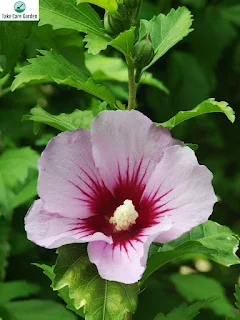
83 18
66 14
64 292
63 122
217 242
166 31
207 106
52 67
124 42
196 287
100 299
95 44
109 5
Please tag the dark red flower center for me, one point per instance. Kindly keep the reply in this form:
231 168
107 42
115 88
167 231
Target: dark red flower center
103 205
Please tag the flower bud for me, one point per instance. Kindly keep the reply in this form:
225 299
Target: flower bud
112 24
144 52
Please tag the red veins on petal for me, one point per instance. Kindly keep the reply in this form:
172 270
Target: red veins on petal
103 205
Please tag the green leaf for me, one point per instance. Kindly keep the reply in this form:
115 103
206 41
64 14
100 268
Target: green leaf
105 68
183 312
197 287
217 242
188 79
210 49
193 146
95 44
166 31
109 5
66 14
64 292
231 13
124 42
16 289
63 122
6 315
3 82
28 192
6 199
12 41
237 295
148 79
44 139
66 42
38 310
52 67
207 106
4 246
100 299
19 243
15 165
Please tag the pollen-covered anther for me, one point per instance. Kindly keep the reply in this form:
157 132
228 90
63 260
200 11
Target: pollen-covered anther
124 216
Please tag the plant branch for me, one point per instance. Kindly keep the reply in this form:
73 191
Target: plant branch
132 86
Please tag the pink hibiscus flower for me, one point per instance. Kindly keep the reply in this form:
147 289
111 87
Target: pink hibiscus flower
120 186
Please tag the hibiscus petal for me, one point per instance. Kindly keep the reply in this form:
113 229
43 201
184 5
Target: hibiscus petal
181 189
127 146
125 262
50 230
69 181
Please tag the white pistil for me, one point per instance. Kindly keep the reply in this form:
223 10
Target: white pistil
124 216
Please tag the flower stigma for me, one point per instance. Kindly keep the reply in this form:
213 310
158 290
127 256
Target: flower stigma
124 216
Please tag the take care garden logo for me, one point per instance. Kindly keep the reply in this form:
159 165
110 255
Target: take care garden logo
19 6
12 10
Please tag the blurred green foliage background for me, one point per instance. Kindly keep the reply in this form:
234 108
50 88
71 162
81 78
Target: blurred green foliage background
205 64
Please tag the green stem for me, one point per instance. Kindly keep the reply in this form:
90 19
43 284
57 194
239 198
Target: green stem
138 11
128 316
132 86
